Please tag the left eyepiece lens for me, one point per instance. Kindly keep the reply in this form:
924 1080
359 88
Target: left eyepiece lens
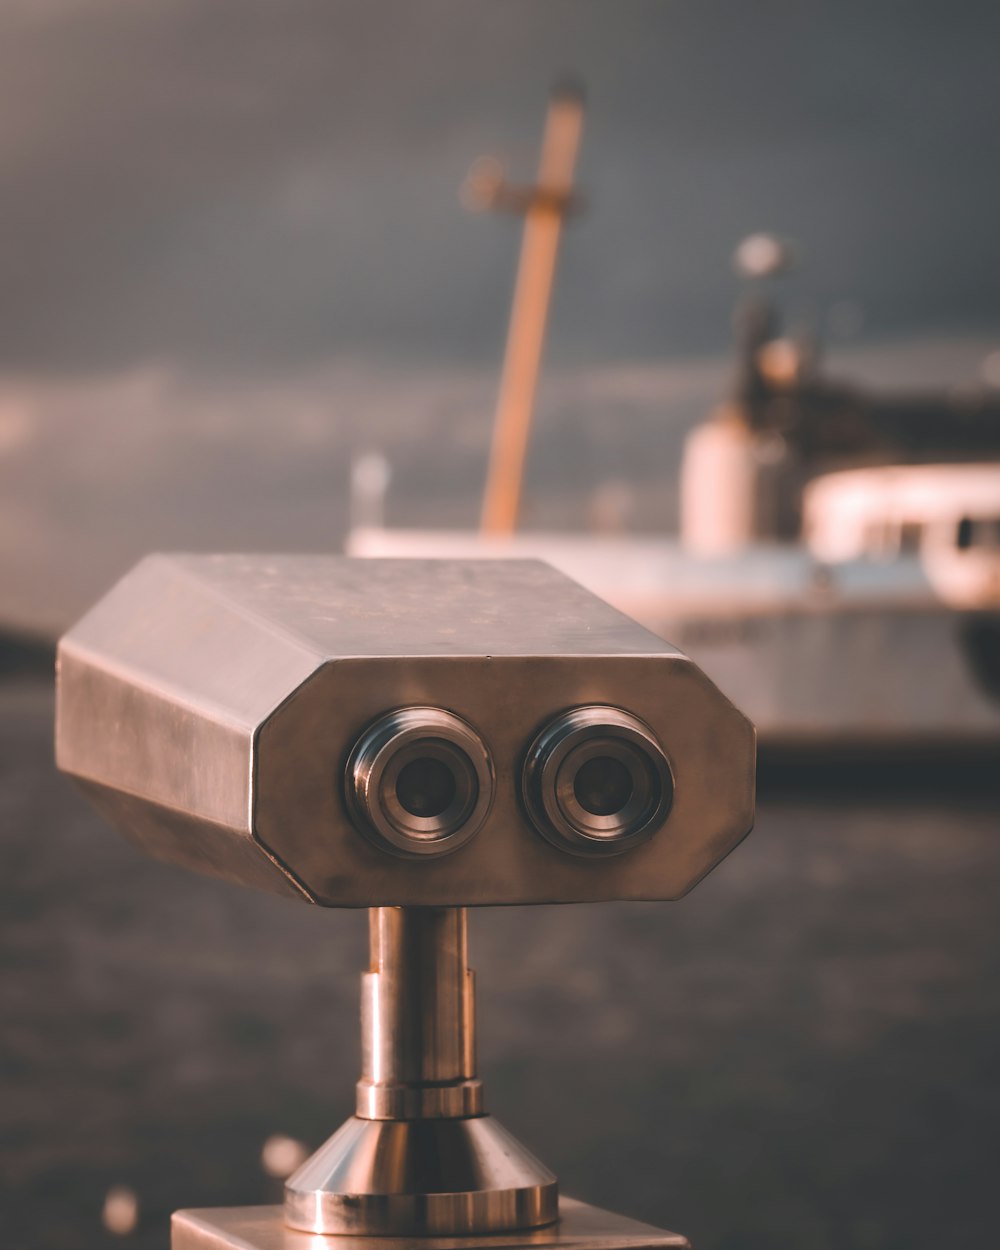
426 787
419 782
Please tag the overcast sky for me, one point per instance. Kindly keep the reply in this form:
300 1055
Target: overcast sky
235 186
232 253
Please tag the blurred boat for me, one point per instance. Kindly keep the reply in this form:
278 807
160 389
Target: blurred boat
839 655
837 572
875 621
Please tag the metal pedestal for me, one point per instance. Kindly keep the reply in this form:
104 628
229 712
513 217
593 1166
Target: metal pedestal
420 1166
420 1158
580 1227
331 730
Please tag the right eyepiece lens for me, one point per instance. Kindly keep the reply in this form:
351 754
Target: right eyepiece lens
603 785
597 782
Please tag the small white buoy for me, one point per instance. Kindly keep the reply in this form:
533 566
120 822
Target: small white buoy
121 1210
281 1155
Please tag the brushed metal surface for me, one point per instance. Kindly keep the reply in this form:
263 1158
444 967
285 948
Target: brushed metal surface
579 1227
300 817
418 1017
440 1177
252 716
211 703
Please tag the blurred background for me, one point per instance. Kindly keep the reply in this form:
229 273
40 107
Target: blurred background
233 261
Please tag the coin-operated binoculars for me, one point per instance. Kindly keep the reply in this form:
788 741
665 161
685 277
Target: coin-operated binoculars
413 737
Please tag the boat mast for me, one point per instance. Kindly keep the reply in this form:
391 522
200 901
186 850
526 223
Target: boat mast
545 206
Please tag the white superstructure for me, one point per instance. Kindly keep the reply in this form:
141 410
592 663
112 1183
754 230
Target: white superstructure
947 514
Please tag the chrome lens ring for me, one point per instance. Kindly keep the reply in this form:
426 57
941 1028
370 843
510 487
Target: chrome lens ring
597 782
419 782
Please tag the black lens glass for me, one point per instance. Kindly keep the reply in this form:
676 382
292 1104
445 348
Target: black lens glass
602 786
425 787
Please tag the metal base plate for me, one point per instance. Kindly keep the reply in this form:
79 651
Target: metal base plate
580 1227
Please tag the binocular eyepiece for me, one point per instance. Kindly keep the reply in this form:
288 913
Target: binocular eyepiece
595 781
391 733
420 781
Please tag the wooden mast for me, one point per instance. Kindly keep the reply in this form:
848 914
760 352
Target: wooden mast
544 207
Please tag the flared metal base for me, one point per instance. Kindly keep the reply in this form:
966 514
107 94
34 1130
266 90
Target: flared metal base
579 1227
420 1178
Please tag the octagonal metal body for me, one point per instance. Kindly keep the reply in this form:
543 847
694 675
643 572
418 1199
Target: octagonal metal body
208 706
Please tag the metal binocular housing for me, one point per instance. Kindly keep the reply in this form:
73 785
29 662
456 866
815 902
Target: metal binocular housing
412 737
374 733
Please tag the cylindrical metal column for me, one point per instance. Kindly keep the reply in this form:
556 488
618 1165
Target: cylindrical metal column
420 1158
418 1027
